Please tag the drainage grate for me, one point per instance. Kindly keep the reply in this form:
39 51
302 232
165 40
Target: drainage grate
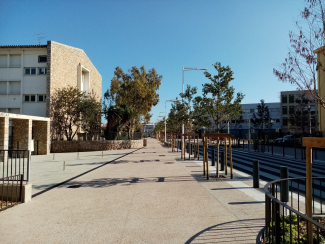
161 155
169 163
157 160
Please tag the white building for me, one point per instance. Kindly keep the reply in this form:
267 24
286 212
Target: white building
29 75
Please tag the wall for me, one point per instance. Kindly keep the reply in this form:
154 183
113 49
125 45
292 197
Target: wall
63 63
84 146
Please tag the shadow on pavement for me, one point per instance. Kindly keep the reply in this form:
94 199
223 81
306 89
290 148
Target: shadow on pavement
236 231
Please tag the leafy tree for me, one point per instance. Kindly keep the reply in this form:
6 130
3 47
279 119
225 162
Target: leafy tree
117 117
218 101
70 109
177 116
300 67
137 90
262 119
91 115
160 126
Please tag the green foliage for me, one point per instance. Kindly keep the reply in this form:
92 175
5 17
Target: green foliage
219 101
160 126
71 109
117 116
285 231
137 90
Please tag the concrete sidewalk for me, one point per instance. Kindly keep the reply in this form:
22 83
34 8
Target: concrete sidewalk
148 196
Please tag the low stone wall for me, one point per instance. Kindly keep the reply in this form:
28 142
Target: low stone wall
85 146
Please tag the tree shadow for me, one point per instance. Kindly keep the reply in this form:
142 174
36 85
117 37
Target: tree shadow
240 231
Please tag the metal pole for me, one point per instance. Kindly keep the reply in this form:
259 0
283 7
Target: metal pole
165 122
256 174
284 193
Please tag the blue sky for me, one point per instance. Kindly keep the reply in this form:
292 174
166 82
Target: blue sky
251 36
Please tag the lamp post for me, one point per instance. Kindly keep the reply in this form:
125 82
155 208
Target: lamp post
166 119
249 131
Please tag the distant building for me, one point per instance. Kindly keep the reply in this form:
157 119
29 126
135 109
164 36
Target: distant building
149 128
290 100
240 129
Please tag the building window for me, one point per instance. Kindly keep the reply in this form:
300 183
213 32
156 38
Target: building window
30 71
42 71
285 121
30 98
284 99
251 110
291 109
42 59
291 98
41 98
285 110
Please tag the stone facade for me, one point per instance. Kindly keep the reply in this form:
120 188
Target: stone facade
22 134
63 65
41 133
84 146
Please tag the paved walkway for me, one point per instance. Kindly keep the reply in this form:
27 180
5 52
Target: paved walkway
148 196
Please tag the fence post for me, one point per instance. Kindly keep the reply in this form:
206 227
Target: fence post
213 159
28 166
284 187
222 161
256 174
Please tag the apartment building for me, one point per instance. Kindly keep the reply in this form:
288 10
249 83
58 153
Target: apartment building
290 103
29 75
240 128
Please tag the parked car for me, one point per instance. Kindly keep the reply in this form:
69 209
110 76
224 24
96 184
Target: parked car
288 139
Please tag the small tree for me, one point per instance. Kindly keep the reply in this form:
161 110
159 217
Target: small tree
262 119
70 109
218 101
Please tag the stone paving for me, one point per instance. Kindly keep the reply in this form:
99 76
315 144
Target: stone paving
147 196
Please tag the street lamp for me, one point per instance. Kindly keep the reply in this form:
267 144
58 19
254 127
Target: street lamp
187 69
165 116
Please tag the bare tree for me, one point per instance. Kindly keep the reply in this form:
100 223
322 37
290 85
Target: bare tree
300 67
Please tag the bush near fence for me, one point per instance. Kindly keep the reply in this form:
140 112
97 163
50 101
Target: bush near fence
85 146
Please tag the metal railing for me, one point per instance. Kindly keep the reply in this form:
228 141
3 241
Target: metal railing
10 191
15 162
285 218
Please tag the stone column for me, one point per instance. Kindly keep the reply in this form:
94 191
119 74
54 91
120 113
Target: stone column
22 133
4 138
41 133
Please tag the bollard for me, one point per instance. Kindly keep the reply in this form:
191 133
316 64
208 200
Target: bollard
53 156
284 187
63 165
102 153
213 160
256 174
222 161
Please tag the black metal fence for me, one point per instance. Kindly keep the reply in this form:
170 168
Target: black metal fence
10 191
15 162
295 150
285 218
